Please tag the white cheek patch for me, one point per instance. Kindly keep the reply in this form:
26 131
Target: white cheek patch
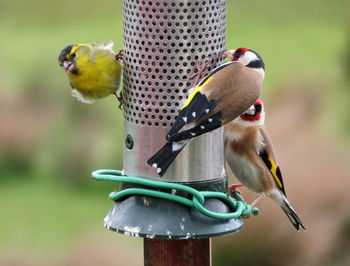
247 58
246 123
262 118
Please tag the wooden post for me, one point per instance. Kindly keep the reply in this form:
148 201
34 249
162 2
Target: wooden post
192 252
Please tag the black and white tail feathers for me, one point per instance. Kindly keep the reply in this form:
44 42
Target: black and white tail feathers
205 126
198 106
165 156
292 216
178 139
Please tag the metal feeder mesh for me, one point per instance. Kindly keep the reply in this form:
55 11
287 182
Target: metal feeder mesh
162 42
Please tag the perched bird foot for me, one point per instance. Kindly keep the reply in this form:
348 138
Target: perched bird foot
119 56
233 188
257 199
120 99
200 69
253 204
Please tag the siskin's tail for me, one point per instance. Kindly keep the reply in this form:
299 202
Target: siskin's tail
165 156
292 216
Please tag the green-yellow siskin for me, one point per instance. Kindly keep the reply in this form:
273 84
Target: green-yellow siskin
94 70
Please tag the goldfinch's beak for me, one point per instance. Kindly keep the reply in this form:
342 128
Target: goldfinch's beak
250 111
230 53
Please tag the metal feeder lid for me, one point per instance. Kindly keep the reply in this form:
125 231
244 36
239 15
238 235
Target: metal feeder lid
150 217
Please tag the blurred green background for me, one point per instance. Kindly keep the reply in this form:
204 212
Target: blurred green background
52 211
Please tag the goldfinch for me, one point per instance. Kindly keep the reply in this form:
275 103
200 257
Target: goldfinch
94 70
250 156
219 98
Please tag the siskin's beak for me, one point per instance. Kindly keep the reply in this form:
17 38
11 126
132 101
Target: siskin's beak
229 53
68 66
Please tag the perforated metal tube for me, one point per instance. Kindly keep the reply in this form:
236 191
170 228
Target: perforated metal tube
163 39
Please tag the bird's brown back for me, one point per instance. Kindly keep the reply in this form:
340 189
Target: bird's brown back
235 88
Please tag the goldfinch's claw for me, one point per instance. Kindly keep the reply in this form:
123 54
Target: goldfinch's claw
233 188
119 55
257 199
200 69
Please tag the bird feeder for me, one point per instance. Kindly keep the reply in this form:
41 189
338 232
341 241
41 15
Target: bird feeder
163 41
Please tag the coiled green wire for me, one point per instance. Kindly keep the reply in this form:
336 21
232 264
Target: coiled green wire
198 197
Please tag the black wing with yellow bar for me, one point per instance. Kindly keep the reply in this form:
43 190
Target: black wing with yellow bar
273 168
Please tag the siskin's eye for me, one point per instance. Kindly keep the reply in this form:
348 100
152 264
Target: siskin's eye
72 56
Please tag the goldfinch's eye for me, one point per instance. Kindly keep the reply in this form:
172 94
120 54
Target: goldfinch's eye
237 54
73 55
258 108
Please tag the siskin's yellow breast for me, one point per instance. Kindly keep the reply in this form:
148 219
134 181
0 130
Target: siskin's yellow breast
98 73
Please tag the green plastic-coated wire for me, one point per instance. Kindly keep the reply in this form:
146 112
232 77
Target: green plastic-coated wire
117 176
149 192
198 197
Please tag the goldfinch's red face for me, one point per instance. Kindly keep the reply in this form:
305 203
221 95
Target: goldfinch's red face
255 113
239 54
236 55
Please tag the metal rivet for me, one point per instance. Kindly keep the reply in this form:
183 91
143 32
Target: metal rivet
129 142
